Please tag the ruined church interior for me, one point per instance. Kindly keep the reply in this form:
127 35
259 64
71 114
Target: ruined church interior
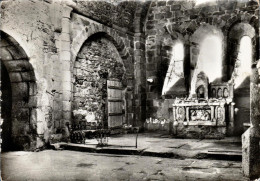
86 85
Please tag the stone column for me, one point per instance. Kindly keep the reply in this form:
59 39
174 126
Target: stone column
230 126
1 121
65 59
140 79
251 138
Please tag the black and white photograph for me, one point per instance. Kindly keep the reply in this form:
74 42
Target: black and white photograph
129 90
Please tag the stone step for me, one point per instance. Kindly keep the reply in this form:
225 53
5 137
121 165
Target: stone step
234 155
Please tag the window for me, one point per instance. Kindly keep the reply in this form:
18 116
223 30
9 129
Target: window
244 61
210 57
175 69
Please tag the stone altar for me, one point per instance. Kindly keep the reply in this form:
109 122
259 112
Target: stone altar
208 114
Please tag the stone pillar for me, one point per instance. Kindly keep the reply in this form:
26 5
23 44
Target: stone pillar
230 126
140 79
251 138
65 59
1 121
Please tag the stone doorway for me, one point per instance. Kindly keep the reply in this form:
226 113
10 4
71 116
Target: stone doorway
96 63
18 97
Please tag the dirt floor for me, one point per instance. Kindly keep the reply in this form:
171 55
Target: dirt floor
52 165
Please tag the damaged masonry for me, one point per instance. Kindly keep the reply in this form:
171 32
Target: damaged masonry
161 75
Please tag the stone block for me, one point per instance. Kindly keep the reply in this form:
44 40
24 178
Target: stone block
67 94
17 52
161 3
65 46
58 115
28 76
65 37
32 88
15 77
41 126
18 66
67 115
168 15
65 55
5 55
57 124
151 66
32 101
66 105
20 89
57 105
66 85
151 32
151 95
139 45
176 7
18 103
250 154
65 24
33 117
39 142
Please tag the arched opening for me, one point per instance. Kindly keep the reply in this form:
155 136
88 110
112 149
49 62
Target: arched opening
207 55
244 60
18 105
98 84
242 83
174 82
210 57
6 109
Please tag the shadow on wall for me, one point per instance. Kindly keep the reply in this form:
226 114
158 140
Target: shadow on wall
242 106
6 109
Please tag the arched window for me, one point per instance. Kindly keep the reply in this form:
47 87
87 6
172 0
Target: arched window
210 57
244 62
175 70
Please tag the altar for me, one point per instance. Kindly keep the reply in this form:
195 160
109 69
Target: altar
208 114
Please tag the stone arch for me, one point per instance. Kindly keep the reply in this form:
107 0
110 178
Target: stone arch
196 41
168 43
140 16
123 63
21 127
235 34
241 92
112 35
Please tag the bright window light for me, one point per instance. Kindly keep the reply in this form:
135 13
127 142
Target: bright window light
199 2
175 69
178 52
245 58
210 57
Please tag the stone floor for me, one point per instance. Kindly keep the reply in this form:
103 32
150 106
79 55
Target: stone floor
62 165
162 145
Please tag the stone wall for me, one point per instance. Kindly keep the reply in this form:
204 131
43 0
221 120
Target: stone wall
123 41
171 21
51 33
35 35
